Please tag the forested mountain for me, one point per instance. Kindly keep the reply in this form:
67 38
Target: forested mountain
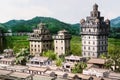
115 22
53 25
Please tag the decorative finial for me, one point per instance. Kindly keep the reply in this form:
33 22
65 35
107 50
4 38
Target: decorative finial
82 21
95 7
107 21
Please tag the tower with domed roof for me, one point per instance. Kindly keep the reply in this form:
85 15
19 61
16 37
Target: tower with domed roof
94 34
40 40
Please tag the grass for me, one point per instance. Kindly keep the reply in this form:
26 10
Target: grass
18 42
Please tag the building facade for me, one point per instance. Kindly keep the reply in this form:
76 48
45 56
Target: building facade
40 40
62 42
94 34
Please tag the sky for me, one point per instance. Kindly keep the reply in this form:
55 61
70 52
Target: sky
69 11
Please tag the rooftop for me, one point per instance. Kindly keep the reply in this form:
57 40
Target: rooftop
39 58
41 69
96 61
63 31
19 75
17 67
8 59
4 72
100 70
73 57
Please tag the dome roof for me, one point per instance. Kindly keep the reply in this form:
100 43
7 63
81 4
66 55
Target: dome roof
63 31
95 5
41 25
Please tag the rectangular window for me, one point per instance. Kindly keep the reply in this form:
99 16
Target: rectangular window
62 48
88 48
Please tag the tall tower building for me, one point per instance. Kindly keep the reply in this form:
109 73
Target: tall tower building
94 34
62 42
40 40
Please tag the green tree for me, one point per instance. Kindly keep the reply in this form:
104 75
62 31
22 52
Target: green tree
78 68
22 57
58 62
50 54
114 58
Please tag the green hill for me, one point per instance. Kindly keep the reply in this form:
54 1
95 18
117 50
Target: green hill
53 25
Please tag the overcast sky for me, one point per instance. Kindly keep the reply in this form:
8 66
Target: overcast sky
70 11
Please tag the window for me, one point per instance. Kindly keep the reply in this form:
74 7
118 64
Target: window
47 45
56 47
102 48
56 41
84 47
88 48
38 45
84 42
35 45
93 48
105 42
93 54
102 42
84 53
88 54
89 42
89 30
93 42
89 37
61 41
62 48
99 42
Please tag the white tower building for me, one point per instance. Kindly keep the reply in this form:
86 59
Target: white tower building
94 34
62 42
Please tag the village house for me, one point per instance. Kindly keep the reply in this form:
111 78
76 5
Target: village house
17 68
39 61
36 70
10 75
7 61
71 60
97 62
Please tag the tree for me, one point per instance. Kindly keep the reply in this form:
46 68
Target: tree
114 58
79 67
22 57
50 54
58 62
